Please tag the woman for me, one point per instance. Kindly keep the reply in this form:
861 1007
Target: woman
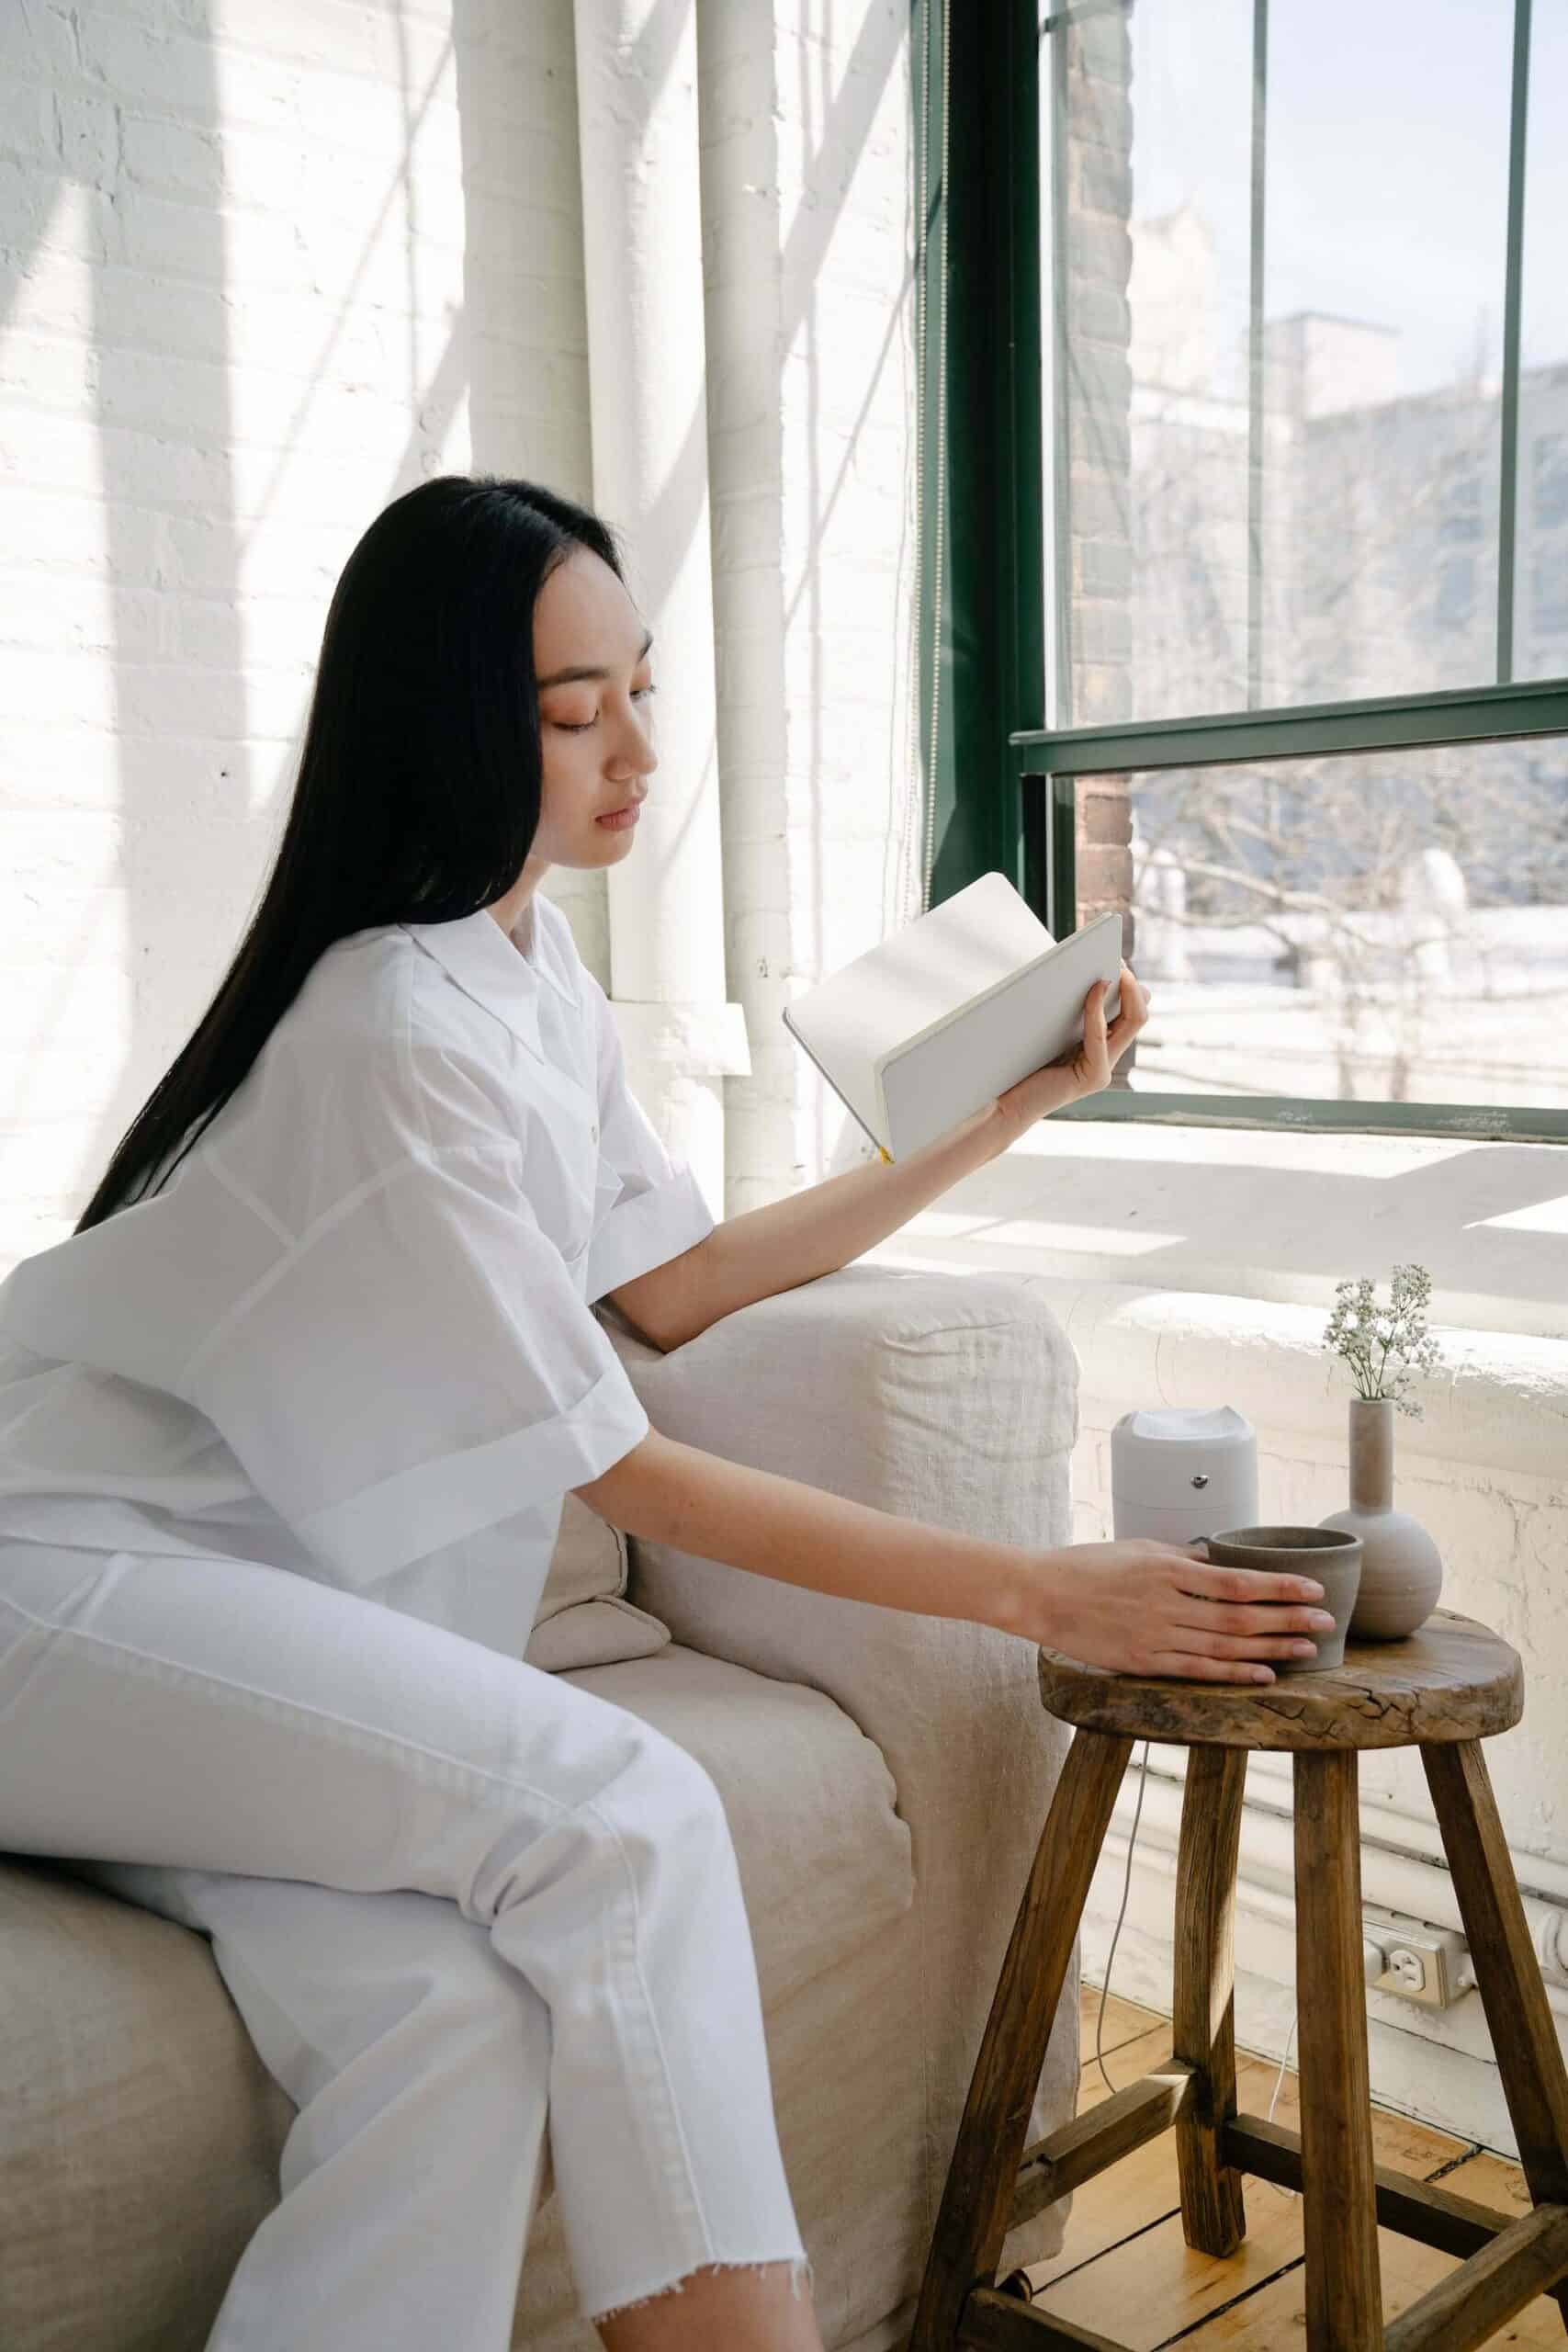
286 1427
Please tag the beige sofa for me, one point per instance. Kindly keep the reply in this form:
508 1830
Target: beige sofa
886 1776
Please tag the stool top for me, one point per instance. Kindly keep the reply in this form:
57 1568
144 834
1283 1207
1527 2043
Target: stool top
1450 1680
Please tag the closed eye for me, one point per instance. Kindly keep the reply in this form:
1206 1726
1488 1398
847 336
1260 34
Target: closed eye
580 725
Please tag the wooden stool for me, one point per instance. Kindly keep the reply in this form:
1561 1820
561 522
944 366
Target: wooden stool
1444 1689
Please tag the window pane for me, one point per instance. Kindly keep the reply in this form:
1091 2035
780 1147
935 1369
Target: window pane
1187 293
1384 250
1391 927
1541 590
1386 247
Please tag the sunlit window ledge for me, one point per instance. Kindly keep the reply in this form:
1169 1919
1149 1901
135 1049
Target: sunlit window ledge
1192 1264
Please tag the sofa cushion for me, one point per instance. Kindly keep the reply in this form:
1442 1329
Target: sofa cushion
141 2135
813 1813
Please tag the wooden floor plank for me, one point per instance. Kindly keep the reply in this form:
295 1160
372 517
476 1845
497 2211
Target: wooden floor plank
1276 2314
1135 2195
1398 2141
1491 2180
1124 2021
1133 2061
1125 2269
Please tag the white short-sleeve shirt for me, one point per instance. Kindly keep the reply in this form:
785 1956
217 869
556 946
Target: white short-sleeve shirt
351 1335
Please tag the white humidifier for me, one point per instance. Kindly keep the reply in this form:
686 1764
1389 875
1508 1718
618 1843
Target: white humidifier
1178 1471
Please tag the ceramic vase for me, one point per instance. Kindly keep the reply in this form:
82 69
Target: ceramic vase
1402 1569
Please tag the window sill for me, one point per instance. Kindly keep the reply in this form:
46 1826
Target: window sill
1186 1260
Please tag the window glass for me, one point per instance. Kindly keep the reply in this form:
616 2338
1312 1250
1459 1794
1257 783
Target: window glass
1385 927
1541 590
1386 247
1185 499
1348 548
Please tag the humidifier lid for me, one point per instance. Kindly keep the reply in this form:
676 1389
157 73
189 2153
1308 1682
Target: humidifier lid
1205 1425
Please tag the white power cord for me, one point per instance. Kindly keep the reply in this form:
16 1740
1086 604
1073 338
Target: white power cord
1279 2077
1116 1932
1372 1961
1279 2080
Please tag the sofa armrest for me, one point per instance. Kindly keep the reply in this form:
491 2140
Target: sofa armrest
951 1398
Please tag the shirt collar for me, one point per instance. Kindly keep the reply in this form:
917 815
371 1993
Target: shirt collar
488 967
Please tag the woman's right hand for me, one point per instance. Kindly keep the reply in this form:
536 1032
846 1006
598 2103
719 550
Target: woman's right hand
1143 1607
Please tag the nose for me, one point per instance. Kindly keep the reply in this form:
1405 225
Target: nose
642 759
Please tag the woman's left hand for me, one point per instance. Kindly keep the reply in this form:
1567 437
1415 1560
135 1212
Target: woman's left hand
1087 1068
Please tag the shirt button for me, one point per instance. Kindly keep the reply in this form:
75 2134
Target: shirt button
594 1135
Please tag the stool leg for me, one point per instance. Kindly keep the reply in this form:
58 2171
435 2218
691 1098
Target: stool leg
1523 2040
1344 2298
1213 2218
983 2175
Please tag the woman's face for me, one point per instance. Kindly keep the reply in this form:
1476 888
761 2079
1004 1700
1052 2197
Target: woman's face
595 731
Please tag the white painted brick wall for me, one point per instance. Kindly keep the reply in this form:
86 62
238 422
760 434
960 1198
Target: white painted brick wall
264 265
239 319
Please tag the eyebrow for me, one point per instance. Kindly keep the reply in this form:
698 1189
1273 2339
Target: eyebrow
565 677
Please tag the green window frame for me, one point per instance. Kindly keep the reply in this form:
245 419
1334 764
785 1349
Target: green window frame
1001 785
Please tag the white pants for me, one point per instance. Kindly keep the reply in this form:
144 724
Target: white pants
452 1897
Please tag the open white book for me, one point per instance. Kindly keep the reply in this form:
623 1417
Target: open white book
921 1032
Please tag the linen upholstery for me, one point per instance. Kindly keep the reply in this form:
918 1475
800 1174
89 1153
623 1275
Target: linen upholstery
884 1776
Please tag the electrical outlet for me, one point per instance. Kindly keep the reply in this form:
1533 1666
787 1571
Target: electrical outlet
1408 1970
1424 1964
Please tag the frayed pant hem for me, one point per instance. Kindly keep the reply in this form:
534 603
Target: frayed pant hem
801 2275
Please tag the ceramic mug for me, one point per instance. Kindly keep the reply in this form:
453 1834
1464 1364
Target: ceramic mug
1329 1554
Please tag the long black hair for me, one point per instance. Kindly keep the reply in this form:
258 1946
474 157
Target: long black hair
419 786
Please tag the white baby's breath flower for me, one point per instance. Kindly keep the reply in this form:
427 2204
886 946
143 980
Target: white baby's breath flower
1399 1331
